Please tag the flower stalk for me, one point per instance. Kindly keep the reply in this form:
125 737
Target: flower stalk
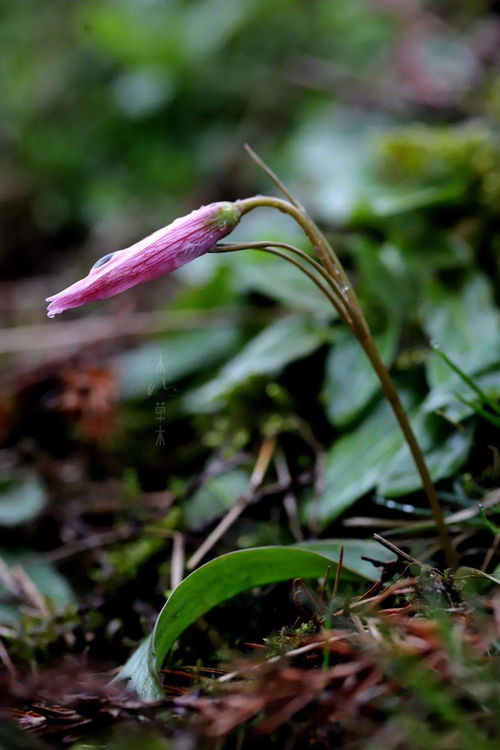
275 248
200 232
343 297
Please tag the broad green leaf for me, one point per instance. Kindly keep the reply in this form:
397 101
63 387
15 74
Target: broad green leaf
279 344
356 462
339 147
354 549
213 583
22 498
156 366
9 614
443 457
333 158
281 281
381 268
397 202
350 379
483 402
49 581
215 496
465 323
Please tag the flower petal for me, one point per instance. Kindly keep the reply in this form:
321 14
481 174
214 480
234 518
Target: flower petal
163 251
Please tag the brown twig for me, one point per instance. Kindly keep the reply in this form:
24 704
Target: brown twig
261 465
89 543
177 561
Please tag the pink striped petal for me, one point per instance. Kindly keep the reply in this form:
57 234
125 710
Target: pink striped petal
163 251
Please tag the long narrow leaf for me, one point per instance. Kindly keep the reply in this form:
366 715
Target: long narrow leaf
205 588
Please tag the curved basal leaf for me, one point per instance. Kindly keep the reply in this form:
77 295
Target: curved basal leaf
213 583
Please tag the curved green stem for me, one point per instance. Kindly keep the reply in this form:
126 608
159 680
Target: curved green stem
273 251
273 177
340 304
351 311
326 253
363 334
392 396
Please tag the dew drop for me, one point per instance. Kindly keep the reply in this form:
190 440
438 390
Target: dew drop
102 261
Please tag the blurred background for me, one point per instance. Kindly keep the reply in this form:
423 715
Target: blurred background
146 412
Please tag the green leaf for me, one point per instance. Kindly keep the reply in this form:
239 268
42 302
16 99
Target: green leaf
335 147
45 576
383 267
451 401
22 498
443 457
350 379
355 463
398 202
213 583
157 366
473 580
465 325
282 282
215 496
49 581
140 672
353 550
279 344
9 614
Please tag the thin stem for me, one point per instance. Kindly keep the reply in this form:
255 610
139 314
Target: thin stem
340 282
398 552
327 255
272 176
362 332
229 247
355 319
272 251
407 430
313 231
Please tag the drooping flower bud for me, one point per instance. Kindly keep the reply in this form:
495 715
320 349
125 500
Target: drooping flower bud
169 248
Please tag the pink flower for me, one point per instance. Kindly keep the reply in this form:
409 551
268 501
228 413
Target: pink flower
164 251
